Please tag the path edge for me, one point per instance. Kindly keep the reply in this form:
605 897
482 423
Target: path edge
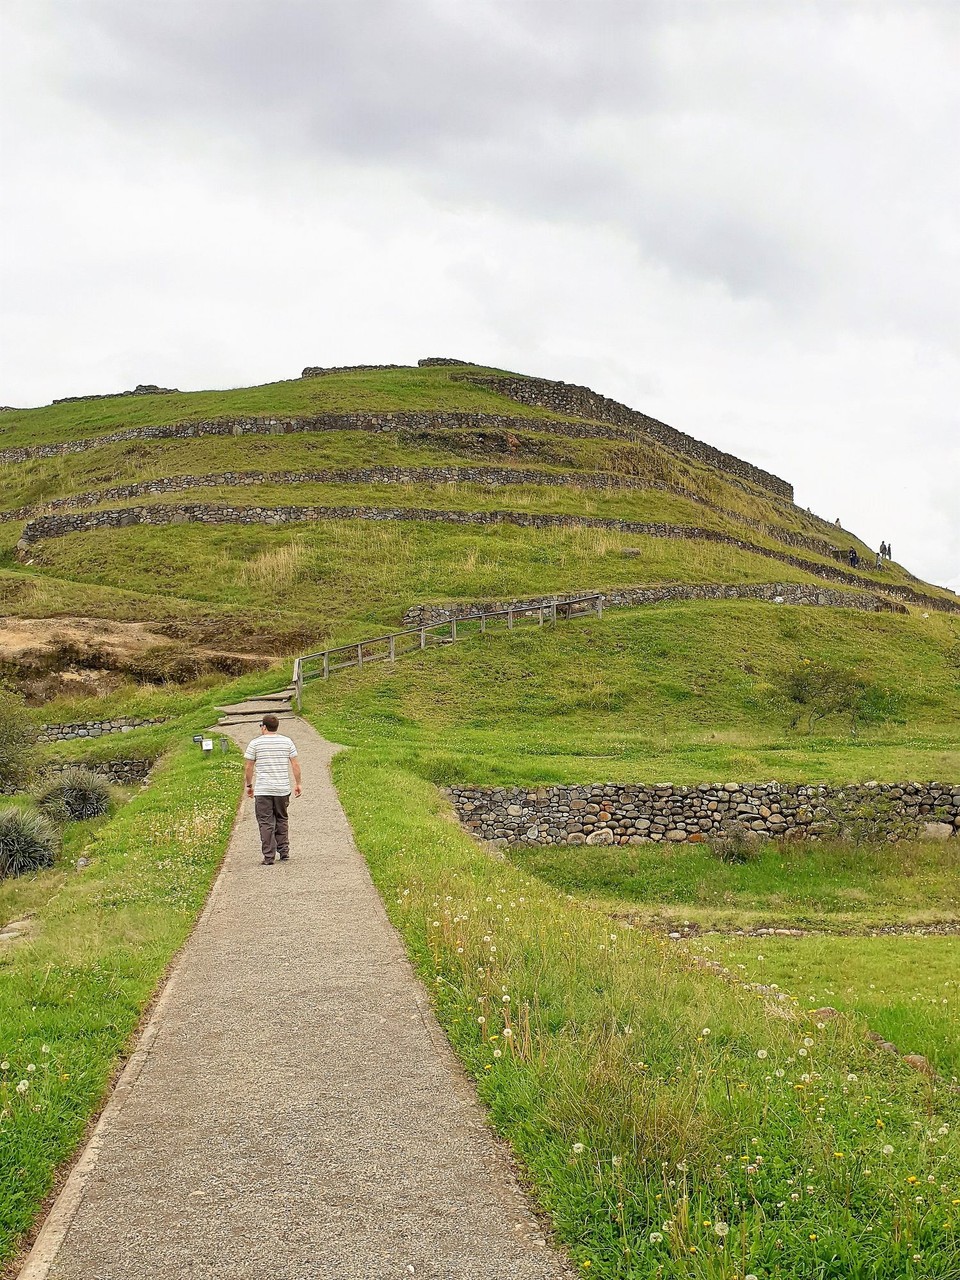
59 1218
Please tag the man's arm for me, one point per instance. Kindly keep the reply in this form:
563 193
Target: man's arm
295 766
248 776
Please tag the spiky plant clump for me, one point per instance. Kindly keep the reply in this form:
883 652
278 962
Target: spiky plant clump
77 794
55 808
28 841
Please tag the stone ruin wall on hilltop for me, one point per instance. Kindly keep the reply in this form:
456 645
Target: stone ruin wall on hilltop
634 815
566 398
581 402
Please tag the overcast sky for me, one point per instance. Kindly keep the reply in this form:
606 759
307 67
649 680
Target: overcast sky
740 217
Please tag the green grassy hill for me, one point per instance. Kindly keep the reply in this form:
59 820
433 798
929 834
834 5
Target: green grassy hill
273 590
677 1109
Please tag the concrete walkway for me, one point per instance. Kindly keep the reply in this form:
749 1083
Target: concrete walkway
294 1110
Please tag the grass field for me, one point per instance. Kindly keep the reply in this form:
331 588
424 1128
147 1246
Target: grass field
905 987
825 885
71 992
683 692
674 1125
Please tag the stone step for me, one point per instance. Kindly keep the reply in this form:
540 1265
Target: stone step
238 717
259 707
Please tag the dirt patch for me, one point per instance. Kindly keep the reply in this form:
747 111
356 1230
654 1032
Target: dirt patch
24 639
46 657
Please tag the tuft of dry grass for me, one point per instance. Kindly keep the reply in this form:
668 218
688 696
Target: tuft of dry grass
281 566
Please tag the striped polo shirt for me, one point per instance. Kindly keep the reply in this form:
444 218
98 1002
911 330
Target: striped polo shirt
271 754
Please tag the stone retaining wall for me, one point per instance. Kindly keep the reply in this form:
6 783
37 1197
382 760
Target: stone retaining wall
275 426
91 728
422 615
141 389
614 814
57 526
124 773
594 481
321 371
565 398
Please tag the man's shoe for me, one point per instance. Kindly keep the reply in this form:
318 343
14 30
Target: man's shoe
284 857
267 862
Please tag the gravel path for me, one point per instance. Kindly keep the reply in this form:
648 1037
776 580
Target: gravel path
295 1111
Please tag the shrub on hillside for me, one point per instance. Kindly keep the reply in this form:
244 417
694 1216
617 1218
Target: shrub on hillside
820 691
738 844
16 742
28 841
74 795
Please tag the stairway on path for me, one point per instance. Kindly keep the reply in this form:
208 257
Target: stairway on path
251 710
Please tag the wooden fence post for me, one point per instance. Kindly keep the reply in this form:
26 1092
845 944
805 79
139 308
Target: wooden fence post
326 665
509 619
423 637
453 628
359 655
393 649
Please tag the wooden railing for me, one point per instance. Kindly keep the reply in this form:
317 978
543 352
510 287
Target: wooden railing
316 666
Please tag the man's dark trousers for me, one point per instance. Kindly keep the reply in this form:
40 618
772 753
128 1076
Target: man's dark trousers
271 814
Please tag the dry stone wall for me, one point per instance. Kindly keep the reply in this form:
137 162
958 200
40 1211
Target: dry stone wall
567 399
611 814
422 615
321 371
141 389
124 773
91 728
58 526
495 477
407 420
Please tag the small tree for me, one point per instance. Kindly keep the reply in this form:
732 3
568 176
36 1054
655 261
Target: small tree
820 691
16 742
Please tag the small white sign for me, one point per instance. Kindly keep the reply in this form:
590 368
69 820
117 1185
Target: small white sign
207 744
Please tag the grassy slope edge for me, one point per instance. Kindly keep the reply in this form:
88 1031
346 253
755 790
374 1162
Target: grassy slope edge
672 1124
72 993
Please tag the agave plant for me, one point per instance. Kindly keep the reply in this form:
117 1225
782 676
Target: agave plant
28 841
74 795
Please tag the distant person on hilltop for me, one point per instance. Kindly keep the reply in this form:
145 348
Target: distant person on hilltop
269 760
880 559
853 558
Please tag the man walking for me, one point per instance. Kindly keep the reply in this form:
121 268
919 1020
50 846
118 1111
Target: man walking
269 760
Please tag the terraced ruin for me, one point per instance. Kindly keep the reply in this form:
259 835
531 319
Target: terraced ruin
570 626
